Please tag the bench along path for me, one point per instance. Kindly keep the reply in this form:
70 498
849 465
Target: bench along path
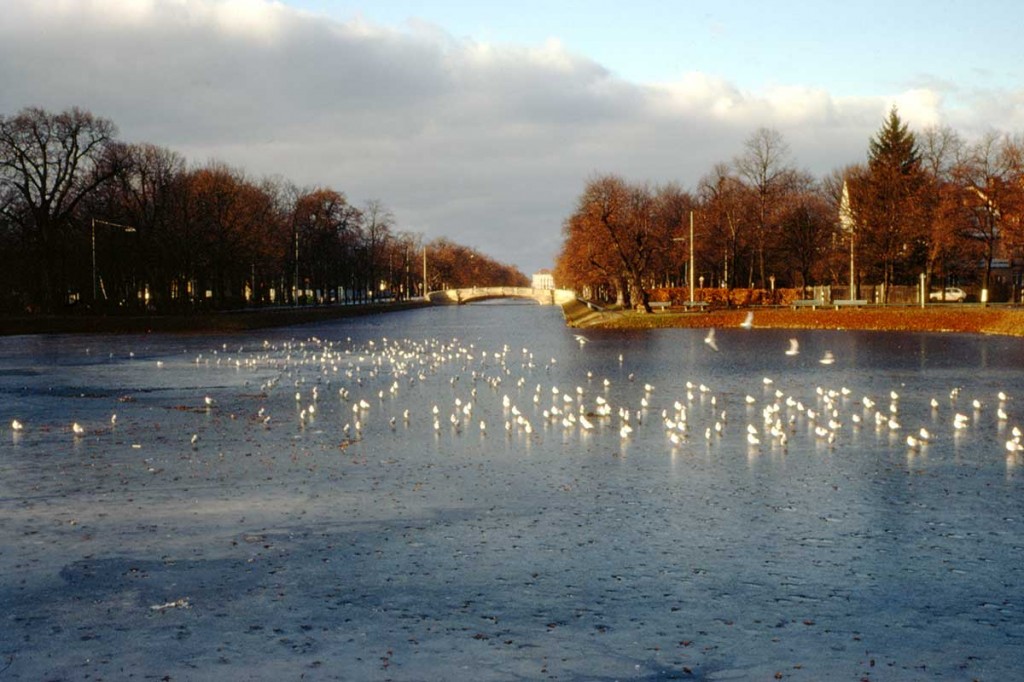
686 305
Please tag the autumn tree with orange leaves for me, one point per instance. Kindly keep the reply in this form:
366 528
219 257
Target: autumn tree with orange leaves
454 266
617 236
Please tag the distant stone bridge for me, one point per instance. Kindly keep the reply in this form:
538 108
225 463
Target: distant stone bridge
469 295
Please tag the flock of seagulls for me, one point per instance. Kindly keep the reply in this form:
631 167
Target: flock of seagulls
359 390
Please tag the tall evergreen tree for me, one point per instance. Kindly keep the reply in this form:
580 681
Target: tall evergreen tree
894 147
889 205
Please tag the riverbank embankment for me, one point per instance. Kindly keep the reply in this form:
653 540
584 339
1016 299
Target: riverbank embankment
225 321
934 318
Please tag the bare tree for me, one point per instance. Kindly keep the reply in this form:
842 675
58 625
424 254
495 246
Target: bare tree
807 224
722 196
942 153
990 179
325 236
941 149
1013 218
765 166
48 164
377 224
672 208
144 195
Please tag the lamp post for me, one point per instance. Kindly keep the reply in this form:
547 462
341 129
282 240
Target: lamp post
95 280
407 288
853 270
295 275
691 268
425 298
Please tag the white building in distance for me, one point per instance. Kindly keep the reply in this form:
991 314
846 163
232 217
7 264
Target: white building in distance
543 280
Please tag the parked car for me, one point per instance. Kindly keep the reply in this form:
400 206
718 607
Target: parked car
954 294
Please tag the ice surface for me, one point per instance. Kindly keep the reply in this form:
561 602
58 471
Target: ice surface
294 547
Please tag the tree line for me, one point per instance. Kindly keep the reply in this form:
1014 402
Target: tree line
89 220
930 203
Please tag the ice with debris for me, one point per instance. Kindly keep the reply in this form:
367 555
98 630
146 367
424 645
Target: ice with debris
287 503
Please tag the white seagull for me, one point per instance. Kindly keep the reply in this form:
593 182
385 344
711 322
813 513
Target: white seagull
748 323
794 347
710 339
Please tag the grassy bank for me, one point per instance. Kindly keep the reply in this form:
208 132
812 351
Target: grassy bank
232 321
936 318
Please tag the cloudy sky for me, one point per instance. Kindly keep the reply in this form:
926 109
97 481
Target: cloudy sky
482 122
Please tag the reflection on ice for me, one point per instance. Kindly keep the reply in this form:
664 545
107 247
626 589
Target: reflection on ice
479 493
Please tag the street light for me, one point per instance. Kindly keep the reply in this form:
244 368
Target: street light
679 239
295 275
692 268
95 281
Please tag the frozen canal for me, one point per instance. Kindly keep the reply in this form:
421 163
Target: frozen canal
474 493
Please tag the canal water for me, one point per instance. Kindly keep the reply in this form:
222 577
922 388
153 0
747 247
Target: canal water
479 492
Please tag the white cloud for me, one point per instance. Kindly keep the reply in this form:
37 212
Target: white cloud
486 143
920 107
